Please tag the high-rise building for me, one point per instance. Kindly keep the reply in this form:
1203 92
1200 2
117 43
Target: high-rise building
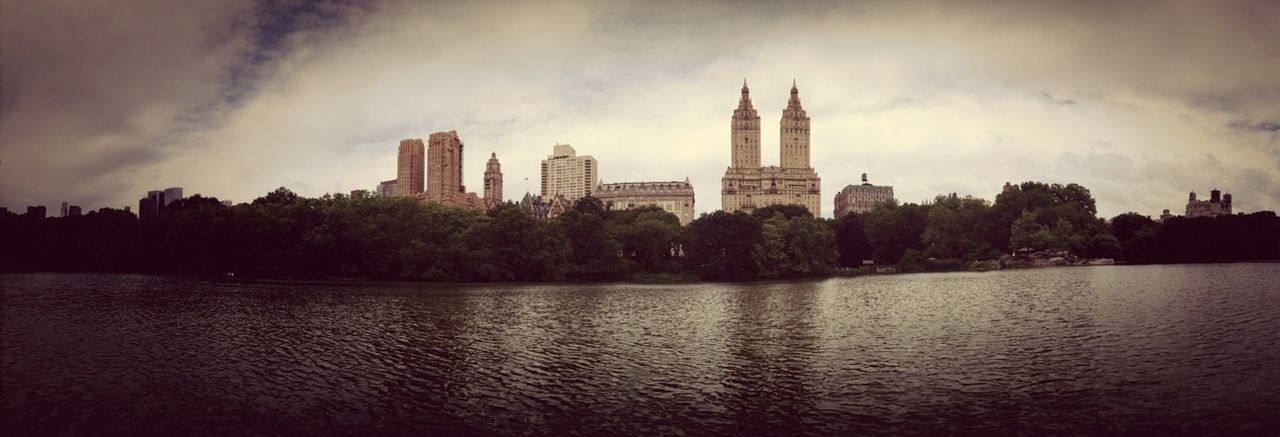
73 211
444 173
861 198
149 207
444 157
387 188
172 194
566 174
64 209
409 168
672 197
492 181
746 185
1218 204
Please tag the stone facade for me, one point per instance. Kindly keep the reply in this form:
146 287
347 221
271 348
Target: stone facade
493 181
567 174
861 198
746 185
672 197
1218 204
444 173
409 168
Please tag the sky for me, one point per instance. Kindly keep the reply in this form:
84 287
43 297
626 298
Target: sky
1139 101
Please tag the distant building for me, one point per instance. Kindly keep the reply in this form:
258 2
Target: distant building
359 194
746 185
492 182
226 203
172 194
409 167
64 209
37 212
387 188
543 208
1218 204
1165 216
862 198
1008 187
672 197
149 207
444 173
567 174
73 211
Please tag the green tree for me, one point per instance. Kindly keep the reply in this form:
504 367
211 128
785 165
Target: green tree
720 246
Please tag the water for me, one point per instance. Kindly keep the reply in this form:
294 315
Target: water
1130 349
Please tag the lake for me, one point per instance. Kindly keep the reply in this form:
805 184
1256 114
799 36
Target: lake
1113 349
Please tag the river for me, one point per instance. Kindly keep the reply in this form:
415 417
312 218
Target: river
1114 349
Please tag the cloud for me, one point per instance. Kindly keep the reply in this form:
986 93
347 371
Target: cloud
237 99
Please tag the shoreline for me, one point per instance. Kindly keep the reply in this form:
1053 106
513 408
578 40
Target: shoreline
360 281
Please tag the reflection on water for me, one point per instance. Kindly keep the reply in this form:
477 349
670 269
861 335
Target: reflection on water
1184 349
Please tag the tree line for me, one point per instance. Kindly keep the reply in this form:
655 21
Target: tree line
283 235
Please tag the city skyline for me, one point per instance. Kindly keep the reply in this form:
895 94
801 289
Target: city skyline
931 98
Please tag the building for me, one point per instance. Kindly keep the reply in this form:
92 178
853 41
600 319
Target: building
360 194
172 194
1218 204
567 174
409 167
73 211
444 173
746 185
861 198
149 207
492 182
543 208
64 209
387 188
37 212
1165 216
226 203
672 197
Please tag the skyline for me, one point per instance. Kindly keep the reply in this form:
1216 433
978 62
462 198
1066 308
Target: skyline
238 98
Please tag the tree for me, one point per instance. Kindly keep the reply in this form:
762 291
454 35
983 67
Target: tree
851 240
893 229
720 246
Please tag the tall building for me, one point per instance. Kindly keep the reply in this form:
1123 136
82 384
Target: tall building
1218 204
492 181
444 172
746 185
149 207
73 211
172 194
409 167
64 209
567 174
861 198
387 188
672 197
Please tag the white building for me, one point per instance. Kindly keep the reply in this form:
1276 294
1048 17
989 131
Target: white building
567 174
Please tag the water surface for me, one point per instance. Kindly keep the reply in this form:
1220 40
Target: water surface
1136 349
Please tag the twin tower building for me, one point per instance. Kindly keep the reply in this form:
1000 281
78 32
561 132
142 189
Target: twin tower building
746 185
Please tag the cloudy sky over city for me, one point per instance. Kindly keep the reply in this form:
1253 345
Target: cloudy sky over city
1141 102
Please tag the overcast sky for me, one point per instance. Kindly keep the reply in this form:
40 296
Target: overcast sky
1141 102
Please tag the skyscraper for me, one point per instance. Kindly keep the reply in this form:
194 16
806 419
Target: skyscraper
567 174
409 167
171 194
444 173
444 155
746 185
492 181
